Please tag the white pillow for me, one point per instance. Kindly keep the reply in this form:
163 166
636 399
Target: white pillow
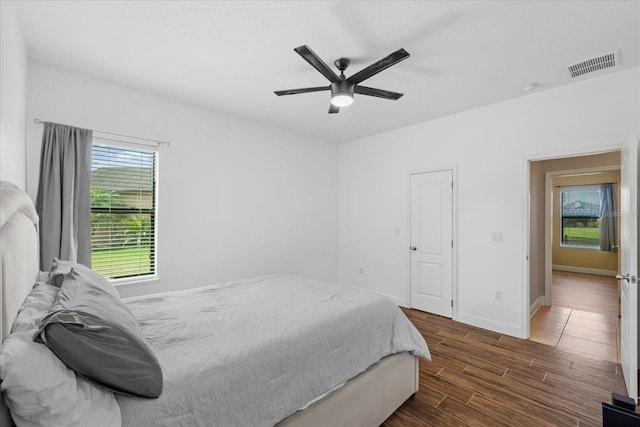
37 387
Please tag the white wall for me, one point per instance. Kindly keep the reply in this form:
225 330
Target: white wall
490 147
13 93
236 198
267 198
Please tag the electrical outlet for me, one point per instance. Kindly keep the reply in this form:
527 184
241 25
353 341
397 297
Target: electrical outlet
499 295
496 236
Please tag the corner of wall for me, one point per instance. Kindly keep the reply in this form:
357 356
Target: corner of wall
535 306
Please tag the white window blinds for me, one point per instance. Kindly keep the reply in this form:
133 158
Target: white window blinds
580 213
123 211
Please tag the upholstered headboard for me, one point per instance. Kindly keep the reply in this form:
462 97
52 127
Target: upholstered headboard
18 252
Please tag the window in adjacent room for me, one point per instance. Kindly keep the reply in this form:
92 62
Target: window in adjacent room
580 216
123 211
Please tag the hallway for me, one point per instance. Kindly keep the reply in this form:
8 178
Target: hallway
583 318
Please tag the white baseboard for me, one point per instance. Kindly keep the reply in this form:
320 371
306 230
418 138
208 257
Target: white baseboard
539 302
584 270
492 325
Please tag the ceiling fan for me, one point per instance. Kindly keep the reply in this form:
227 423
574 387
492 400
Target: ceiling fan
342 88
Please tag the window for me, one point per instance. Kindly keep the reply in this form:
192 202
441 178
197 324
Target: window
580 211
123 211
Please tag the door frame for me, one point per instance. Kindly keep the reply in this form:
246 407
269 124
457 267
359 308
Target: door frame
548 224
526 270
454 232
630 266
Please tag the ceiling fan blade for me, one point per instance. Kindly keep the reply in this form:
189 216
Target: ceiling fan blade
303 90
333 109
380 93
317 63
376 67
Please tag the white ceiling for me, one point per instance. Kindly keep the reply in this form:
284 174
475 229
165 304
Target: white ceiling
231 56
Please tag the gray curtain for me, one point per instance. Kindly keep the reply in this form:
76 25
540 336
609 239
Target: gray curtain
608 219
64 200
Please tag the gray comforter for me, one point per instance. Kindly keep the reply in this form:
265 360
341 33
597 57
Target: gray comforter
252 352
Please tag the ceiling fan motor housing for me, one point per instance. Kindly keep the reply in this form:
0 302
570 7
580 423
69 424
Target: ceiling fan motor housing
342 87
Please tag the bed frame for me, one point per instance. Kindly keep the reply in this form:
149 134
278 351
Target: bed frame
366 400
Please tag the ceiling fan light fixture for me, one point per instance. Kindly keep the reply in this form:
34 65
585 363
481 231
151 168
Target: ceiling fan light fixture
342 93
342 99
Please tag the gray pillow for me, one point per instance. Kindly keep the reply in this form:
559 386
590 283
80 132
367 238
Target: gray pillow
94 334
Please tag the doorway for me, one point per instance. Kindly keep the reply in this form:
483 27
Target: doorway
574 292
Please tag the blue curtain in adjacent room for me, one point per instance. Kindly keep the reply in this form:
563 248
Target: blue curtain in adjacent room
64 199
608 219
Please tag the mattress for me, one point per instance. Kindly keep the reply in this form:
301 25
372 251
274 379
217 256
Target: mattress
253 352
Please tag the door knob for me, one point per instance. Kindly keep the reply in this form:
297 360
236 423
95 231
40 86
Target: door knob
622 277
629 278
413 248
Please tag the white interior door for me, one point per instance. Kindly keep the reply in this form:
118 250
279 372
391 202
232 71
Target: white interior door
629 266
432 242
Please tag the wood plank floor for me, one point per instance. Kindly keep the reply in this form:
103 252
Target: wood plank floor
482 378
583 318
585 292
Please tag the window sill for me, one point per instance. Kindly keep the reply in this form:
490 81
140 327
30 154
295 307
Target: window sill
134 281
588 248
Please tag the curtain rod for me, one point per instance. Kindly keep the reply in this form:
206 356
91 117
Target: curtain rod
155 141
586 185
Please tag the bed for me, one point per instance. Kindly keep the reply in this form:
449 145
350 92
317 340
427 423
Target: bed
223 362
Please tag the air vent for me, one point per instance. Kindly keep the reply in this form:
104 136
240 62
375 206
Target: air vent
593 64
